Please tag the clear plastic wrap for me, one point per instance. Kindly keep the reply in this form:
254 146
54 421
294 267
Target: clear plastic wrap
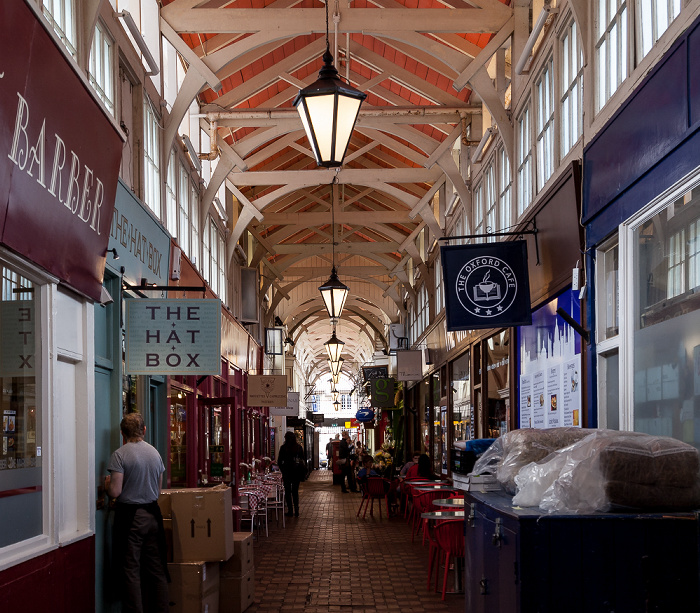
610 468
510 452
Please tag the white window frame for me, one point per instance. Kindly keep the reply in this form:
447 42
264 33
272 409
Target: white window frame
61 16
101 71
571 83
653 17
505 182
490 199
171 183
544 137
524 160
626 274
151 158
611 49
183 201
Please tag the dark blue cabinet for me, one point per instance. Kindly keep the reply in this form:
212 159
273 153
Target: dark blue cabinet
523 560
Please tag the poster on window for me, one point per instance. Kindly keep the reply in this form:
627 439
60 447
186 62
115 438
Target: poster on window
17 340
571 393
526 401
550 365
486 285
553 396
539 414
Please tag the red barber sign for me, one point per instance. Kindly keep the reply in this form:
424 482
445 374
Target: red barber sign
59 156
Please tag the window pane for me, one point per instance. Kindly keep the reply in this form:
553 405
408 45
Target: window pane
666 353
21 495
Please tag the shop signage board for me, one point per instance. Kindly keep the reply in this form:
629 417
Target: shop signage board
364 415
141 242
292 407
268 391
173 337
17 339
59 156
375 372
382 393
486 285
409 365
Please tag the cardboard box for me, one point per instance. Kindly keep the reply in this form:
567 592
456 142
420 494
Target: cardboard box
241 561
202 524
194 587
164 503
168 527
236 594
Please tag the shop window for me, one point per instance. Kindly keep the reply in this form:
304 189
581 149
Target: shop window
21 470
497 409
462 411
178 439
665 318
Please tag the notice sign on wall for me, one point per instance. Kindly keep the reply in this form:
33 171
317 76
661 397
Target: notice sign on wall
173 337
268 391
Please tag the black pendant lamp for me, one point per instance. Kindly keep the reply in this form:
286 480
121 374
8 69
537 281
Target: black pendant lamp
328 109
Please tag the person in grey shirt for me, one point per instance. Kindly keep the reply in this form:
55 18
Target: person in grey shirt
136 470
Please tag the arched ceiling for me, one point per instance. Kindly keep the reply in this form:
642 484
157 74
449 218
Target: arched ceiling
423 65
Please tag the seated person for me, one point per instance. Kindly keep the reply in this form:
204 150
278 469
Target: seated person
367 469
423 469
412 462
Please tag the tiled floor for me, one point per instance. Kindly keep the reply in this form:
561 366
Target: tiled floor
328 560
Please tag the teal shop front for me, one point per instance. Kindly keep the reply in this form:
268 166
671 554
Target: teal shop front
139 248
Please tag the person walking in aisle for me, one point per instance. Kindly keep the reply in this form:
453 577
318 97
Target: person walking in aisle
293 466
136 471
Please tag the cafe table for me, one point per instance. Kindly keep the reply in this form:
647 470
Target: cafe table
450 503
434 486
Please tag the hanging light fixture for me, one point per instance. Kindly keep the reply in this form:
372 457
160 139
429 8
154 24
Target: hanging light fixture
336 366
328 109
335 395
336 405
334 291
334 347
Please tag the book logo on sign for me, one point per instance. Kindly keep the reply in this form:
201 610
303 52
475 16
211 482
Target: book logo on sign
486 287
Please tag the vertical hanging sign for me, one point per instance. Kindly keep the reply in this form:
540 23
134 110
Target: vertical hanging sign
486 285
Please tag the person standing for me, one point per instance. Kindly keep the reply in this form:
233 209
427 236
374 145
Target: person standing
136 471
329 452
293 466
345 462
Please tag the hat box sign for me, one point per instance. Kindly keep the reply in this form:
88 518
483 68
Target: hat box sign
364 415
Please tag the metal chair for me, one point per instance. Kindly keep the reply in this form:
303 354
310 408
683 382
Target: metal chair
276 502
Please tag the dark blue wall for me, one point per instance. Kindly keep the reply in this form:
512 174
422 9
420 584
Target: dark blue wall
650 143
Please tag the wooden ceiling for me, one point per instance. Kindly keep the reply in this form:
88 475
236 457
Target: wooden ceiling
425 66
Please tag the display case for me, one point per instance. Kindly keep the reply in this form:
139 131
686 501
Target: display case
523 560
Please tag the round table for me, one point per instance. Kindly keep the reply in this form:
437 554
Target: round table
449 503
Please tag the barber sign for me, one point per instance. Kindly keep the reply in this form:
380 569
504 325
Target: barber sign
486 285
173 337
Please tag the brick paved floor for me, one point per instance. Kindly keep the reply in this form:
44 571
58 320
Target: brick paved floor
327 560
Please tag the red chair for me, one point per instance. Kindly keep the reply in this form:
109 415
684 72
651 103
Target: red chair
423 503
374 488
407 494
449 535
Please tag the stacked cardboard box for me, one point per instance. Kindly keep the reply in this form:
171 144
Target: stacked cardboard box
194 587
482 483
199 529
237 576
